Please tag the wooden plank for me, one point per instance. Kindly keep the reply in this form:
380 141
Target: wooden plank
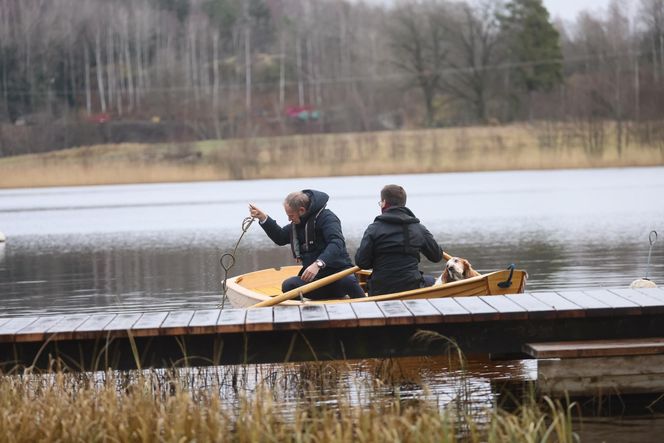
149 324
620 305
9 329
595 348
656 293
563 307
314 316
592 306
204 321
64 329
122 322
231 320
259 319
507 309
93 326
176 322
649 305
287 317
396 312
536 309
601 375
368 314
603 366
36 331
423 311
479 309
341 315
452 311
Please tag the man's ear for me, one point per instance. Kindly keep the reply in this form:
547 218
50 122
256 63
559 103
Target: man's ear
301 210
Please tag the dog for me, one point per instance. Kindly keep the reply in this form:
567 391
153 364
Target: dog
456 269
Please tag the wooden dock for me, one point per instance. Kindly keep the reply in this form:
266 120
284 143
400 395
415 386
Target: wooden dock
495 325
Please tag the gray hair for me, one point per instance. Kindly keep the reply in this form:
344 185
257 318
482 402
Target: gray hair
296 200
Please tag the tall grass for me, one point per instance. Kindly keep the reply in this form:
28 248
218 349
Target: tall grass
310 402
537 146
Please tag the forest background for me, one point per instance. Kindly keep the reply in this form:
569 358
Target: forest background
159 90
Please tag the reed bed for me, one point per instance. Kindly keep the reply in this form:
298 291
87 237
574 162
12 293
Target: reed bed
538 146
306 402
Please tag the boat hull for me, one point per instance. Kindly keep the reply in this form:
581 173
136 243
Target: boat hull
248 289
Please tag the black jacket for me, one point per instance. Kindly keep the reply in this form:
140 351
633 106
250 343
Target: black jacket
391 246
328 243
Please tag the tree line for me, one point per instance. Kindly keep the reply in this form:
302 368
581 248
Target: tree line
75 72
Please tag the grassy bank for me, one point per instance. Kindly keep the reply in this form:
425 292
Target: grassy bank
537 146
157 406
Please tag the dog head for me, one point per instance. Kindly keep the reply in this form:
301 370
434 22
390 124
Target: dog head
456 269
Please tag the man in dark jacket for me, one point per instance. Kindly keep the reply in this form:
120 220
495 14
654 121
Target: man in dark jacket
316 241
392 244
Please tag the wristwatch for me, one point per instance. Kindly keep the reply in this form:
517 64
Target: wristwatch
320 263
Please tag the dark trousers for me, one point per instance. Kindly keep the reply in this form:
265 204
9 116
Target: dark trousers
346 286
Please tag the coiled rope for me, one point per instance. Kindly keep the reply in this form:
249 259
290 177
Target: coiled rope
228 260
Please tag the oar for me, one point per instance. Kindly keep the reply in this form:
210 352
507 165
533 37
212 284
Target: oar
473 273
306 288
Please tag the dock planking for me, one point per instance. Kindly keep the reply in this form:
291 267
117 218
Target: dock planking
91 327
176 322
451 310
535 308
259 319
37 330
314 316
341 315
287 317
231 320
647 303
618 303
562 306
560 315
10 328
506 308
592 306
368 314
395 312
64 329
148 324
423 311
204 321
479 310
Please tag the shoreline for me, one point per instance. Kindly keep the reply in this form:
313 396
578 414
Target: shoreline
467 149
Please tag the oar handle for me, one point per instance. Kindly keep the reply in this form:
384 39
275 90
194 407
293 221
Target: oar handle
307 288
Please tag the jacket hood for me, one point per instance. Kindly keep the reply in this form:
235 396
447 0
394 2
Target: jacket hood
317 201
399 215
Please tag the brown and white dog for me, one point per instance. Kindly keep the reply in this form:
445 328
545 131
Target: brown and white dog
456 269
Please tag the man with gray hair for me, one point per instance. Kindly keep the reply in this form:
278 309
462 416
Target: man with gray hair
316 241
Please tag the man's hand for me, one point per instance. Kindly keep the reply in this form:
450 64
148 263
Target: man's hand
310 273
257 213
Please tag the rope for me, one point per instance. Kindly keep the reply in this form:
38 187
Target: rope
227 261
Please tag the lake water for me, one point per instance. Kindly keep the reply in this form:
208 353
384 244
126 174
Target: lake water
157 247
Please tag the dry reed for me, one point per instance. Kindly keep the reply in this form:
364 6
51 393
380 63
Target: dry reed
274 403
537 146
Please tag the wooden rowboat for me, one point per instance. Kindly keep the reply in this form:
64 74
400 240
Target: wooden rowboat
248 289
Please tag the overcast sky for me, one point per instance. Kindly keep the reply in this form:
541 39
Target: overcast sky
568 9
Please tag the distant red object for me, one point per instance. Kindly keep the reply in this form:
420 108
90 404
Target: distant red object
295 111
100 118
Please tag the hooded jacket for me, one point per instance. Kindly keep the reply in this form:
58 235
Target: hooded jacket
328 243
391 246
